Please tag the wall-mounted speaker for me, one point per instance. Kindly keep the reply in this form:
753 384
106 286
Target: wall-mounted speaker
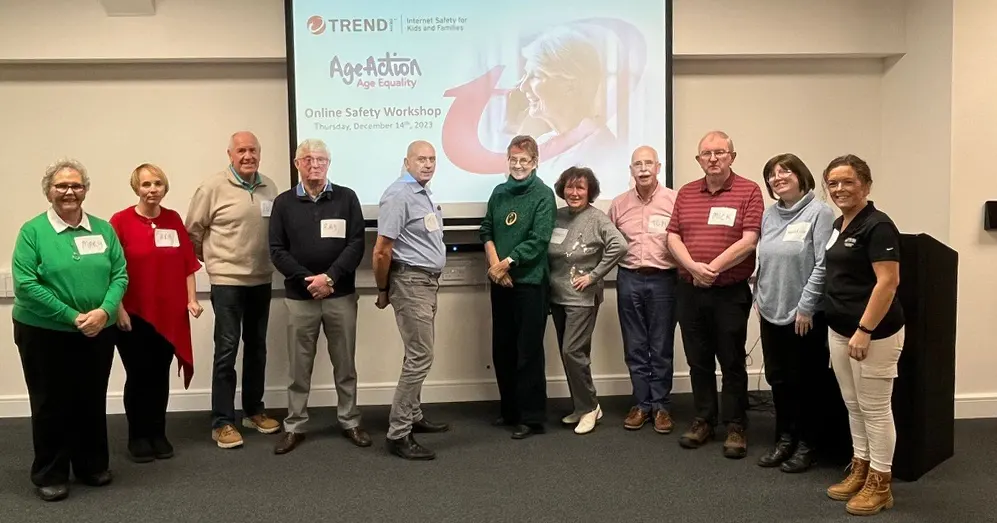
990 216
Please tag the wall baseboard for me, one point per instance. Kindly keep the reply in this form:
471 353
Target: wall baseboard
967 406
973 406
379 393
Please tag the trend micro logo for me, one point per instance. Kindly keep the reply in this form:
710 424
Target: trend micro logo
316 24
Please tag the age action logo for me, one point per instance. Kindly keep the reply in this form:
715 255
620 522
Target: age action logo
389 71
318 25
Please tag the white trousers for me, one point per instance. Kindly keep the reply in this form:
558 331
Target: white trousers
867 388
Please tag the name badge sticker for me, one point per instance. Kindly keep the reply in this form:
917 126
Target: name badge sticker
558 236
432 222
334 228
796 232
90 244
658 224
167 238
722 216
266 207
834 238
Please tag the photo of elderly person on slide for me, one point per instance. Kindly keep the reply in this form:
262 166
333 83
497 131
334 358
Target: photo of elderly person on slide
561 99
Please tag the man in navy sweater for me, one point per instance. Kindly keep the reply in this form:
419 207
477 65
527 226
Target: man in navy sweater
317 242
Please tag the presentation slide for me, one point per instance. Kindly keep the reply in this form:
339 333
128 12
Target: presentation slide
586 79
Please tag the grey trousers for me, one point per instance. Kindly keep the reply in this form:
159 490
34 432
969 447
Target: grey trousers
338 318
574 327
412 293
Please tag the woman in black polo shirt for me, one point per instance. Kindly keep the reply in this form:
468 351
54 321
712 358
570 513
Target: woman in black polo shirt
866 332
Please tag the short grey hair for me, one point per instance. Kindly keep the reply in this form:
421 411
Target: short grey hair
231 140
311 145
62 165
720 134
570 52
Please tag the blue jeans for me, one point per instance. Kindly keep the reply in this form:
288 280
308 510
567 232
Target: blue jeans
646 306
239 311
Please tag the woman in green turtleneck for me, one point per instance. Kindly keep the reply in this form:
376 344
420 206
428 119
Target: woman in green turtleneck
516 230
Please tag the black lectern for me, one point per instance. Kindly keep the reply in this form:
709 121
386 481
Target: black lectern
924 392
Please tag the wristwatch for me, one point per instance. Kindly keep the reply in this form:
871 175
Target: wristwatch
382 289
328 280
864 329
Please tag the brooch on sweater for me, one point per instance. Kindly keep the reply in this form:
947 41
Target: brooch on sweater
511 218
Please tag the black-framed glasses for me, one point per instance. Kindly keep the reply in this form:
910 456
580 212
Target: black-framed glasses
65 188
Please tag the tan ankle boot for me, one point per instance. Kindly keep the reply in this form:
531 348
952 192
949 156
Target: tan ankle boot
852 484
876 495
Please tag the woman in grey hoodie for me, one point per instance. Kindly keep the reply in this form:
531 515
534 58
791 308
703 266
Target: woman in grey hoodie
788 292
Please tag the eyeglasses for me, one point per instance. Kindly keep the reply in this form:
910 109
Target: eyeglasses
312 160
707 155
65 188
779 174
520 161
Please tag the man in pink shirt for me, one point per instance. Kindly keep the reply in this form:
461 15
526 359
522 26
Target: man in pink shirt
645 288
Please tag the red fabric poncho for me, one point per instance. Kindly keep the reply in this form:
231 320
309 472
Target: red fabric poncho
159 262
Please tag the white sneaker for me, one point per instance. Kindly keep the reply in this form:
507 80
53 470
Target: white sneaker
571 419
588 420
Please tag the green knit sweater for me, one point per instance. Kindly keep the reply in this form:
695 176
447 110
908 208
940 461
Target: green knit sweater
520 220
58 276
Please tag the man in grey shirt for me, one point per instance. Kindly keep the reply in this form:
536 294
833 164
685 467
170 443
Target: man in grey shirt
408 258
584 247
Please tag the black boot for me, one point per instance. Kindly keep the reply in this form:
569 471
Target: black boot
162 448
781 452
523 431
140 450
800 461
53 492
408 448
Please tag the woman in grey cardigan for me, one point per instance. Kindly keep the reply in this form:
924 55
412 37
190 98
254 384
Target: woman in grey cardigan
795 230
584 247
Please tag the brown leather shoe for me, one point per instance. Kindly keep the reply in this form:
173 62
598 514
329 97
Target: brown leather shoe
853 483
358 436
698 434
635 419
876 495
736 445
261 423
663 422
288 442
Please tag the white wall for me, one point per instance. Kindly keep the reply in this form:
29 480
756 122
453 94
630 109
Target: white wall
974 133
76 30
910 181
781 76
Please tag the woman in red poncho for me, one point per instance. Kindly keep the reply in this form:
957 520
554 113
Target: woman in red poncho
153 316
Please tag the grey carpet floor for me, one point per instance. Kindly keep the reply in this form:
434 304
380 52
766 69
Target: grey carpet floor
481 474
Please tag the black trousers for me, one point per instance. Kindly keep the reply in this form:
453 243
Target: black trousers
66 374
519 319
795 367
147 358
714 323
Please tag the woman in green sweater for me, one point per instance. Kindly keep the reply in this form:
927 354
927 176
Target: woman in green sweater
69 277
516 230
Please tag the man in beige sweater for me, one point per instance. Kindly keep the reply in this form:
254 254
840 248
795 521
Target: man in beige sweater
227 222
